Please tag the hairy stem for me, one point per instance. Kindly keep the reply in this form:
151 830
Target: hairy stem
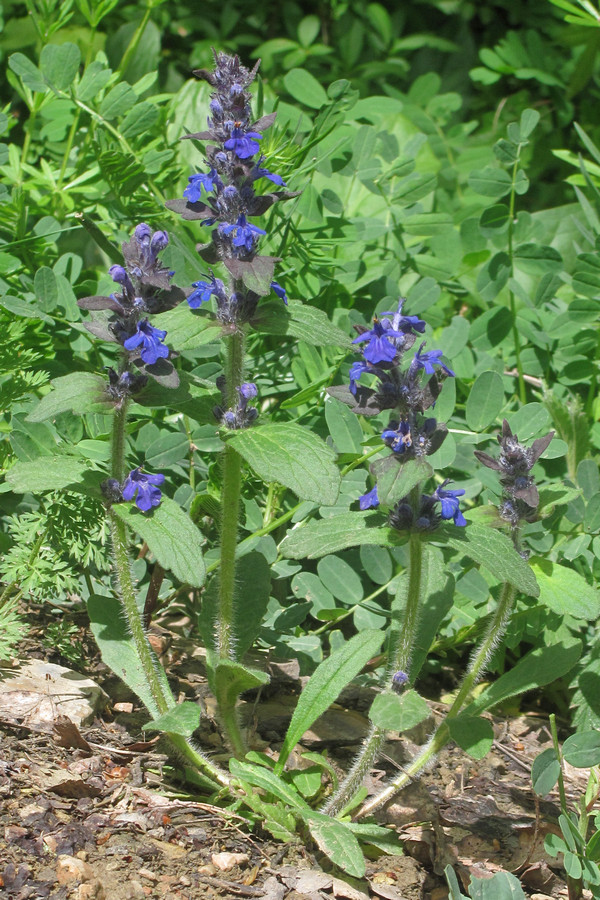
159 689
400 656
230 514
441 735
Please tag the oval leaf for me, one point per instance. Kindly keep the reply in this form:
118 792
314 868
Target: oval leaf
292 456
473 734
582 750
398 713
485 401
171 536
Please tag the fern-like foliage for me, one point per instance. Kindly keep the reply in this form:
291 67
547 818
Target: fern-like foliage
12 627
54 546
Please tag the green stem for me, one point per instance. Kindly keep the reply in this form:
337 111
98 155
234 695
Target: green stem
513 304
441 736
230 514
68 148
162 699
232 481
135 39
400 657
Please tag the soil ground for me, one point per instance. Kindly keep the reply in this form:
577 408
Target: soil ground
97 814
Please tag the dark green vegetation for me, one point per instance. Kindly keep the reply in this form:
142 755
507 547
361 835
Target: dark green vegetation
444 152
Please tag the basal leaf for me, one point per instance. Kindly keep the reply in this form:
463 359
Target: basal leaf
537 668
182 719
118 650
473 734
337 842
325 685
231 679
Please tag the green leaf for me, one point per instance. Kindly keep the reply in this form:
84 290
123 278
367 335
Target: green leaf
437 589
537 259
292 456
545 771
29 74
455 892
110 631
268 781
491 182
529 420
171 536
59 64
79 392
565 591
494 220
473 734
495 552
485 401
318 538
183 719
46 288
231 679
299 320
139 120
344 427
493 276
48 473
582 750
529 120
93 80
118 101
325 685
537 668
398 713
341 579
253 586
395 481
337 842
385 839
305 88
502 886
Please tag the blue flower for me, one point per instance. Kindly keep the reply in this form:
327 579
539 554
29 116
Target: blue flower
399 439
280 291
449 502
379 349
399 680
243 143
356 370
150 338
119 276
193 191
205 290
428 360
145 487
406 324
369 500
260 172
244 234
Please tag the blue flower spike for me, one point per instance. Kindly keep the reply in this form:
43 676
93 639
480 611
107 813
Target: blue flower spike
280 291
144 488
243 143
